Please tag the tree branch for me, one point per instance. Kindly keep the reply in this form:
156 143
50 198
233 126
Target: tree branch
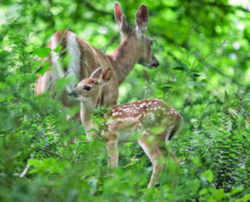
198 57
92 8
226 6
218 5
111 41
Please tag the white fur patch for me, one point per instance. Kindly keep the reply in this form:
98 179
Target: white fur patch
73 70
45 82
55 58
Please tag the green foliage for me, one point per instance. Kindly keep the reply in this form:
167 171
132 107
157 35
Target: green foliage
203 48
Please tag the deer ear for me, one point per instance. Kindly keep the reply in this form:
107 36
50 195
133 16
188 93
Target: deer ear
96 72
120 19
105 76
118 13
142 18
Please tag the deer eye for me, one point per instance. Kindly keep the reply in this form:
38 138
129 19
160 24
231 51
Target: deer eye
93 82
87 88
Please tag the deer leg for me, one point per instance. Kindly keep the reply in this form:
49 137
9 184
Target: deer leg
112 151
152 150
174 130
171 154
171 133
167 134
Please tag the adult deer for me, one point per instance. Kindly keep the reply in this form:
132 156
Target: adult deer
135 47
152 119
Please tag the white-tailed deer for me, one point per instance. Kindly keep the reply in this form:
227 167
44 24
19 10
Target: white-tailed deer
152 120
135 47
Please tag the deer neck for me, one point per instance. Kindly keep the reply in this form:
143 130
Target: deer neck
86 109
125 57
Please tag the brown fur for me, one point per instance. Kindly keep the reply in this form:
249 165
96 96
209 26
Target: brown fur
134 47
153 119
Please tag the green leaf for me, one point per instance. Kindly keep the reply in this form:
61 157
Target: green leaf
245 198
208 175
203 191
43 68
180 68
58 48
42 52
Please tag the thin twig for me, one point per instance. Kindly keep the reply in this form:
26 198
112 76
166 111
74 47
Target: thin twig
112 40
199 58
219 5
226 6
91 7
25 171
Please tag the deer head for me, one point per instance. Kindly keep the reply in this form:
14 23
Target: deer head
140 41
89 89
154 119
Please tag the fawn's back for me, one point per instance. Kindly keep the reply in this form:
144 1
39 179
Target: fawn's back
151 116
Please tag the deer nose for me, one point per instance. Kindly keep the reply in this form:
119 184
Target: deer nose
86 88
73 93
155 62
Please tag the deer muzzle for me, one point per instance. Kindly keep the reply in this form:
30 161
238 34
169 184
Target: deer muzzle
73 94
155 62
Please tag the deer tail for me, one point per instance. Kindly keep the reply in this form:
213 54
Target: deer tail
70 48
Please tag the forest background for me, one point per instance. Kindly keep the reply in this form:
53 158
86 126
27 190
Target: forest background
204 52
